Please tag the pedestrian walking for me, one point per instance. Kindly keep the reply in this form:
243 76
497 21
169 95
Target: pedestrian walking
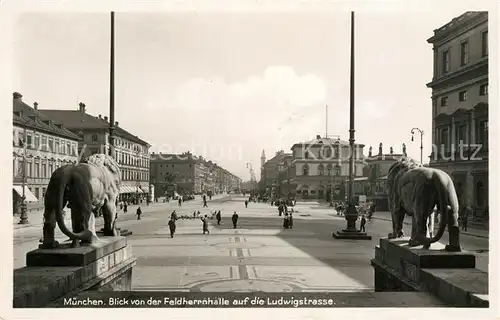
465 218
205 224
246 203
286 221
218 217
235 219
173 215
290 220
139 212
180 202
171 226
125 207
362 225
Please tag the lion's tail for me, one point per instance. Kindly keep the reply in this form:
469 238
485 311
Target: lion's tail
444 209
65 179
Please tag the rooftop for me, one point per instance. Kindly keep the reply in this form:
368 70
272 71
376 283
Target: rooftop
456 23
25 115
318 141
77 120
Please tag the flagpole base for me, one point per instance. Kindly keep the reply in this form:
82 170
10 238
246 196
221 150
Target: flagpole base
351 235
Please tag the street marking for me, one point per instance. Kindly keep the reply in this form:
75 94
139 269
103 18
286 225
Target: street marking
242 268
255 272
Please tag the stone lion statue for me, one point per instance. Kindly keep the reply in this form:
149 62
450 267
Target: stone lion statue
85 188
415 190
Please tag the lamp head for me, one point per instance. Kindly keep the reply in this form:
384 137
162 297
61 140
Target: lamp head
412 137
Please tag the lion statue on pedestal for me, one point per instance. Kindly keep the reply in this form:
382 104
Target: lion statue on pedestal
415 190
86 188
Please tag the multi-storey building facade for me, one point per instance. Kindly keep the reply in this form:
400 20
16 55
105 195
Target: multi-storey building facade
321 167
179 172
48 146
188 174
460 108
270 174
131 152
373 184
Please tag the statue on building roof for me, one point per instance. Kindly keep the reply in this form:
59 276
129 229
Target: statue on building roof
370 151
391 150
404 149
380 148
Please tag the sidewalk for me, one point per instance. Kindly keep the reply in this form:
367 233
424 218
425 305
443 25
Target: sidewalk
475 232
35 217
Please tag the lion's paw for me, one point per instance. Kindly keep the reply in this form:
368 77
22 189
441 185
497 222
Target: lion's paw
50 245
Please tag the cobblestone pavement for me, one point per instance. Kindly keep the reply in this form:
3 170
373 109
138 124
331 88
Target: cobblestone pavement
257 256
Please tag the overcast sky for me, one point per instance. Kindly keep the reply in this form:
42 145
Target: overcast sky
228 85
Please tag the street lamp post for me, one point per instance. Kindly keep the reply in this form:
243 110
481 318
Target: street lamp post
421 141
137 162
24 213
352 214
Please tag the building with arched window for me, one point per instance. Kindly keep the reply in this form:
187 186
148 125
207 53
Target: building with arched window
460 108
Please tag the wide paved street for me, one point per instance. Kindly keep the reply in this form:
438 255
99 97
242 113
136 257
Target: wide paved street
258 255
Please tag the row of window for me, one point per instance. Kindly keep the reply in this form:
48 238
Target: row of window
42 142
326 153
133 175
321 170
44 169
172 165
464 53
122 143
462 134
462 95
36 168
131 160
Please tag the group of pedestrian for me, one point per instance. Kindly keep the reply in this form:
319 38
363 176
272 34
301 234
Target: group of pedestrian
282 208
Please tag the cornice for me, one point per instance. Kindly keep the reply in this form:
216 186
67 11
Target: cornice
444 33
463 72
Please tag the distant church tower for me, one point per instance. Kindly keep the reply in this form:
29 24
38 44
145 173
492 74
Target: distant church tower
262 162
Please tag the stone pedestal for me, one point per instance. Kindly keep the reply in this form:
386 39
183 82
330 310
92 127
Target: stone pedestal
53 274
450 276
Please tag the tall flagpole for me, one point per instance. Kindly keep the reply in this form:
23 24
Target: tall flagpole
352 213
112 88
326 124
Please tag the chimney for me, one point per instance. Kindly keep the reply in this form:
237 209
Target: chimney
81 106
18 96
116 123
35 105
100 117
106 118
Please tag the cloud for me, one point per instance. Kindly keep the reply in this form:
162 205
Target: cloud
279 90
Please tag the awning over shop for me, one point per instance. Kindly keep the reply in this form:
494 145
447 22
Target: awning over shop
126 189
30 197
